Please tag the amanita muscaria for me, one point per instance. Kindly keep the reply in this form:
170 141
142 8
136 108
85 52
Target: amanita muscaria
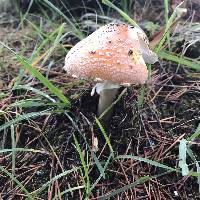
115 56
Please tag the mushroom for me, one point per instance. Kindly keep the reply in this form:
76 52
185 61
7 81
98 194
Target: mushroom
115 56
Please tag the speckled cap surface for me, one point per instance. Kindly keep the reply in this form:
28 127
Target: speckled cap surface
112 53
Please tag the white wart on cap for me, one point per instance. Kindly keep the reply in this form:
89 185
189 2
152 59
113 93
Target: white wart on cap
113 53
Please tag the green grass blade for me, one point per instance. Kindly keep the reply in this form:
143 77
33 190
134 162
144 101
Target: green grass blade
23 117
99 166
151 162
67 191
127 187
193 157
167 29
25 15
49 38
36 91
105 136
21 150
48 183
114 103
77 128
182 157
12 131
179 59
28 103
198 178
123 14
55 44
195 174
39 76
17 182
86 171
195 134
141 97
101 175
193 75
37 29
77 32
166 5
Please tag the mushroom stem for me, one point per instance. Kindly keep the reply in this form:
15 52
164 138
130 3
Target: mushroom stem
107 97
107 94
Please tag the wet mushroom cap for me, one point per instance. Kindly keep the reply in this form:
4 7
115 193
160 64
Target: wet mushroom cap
112 53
